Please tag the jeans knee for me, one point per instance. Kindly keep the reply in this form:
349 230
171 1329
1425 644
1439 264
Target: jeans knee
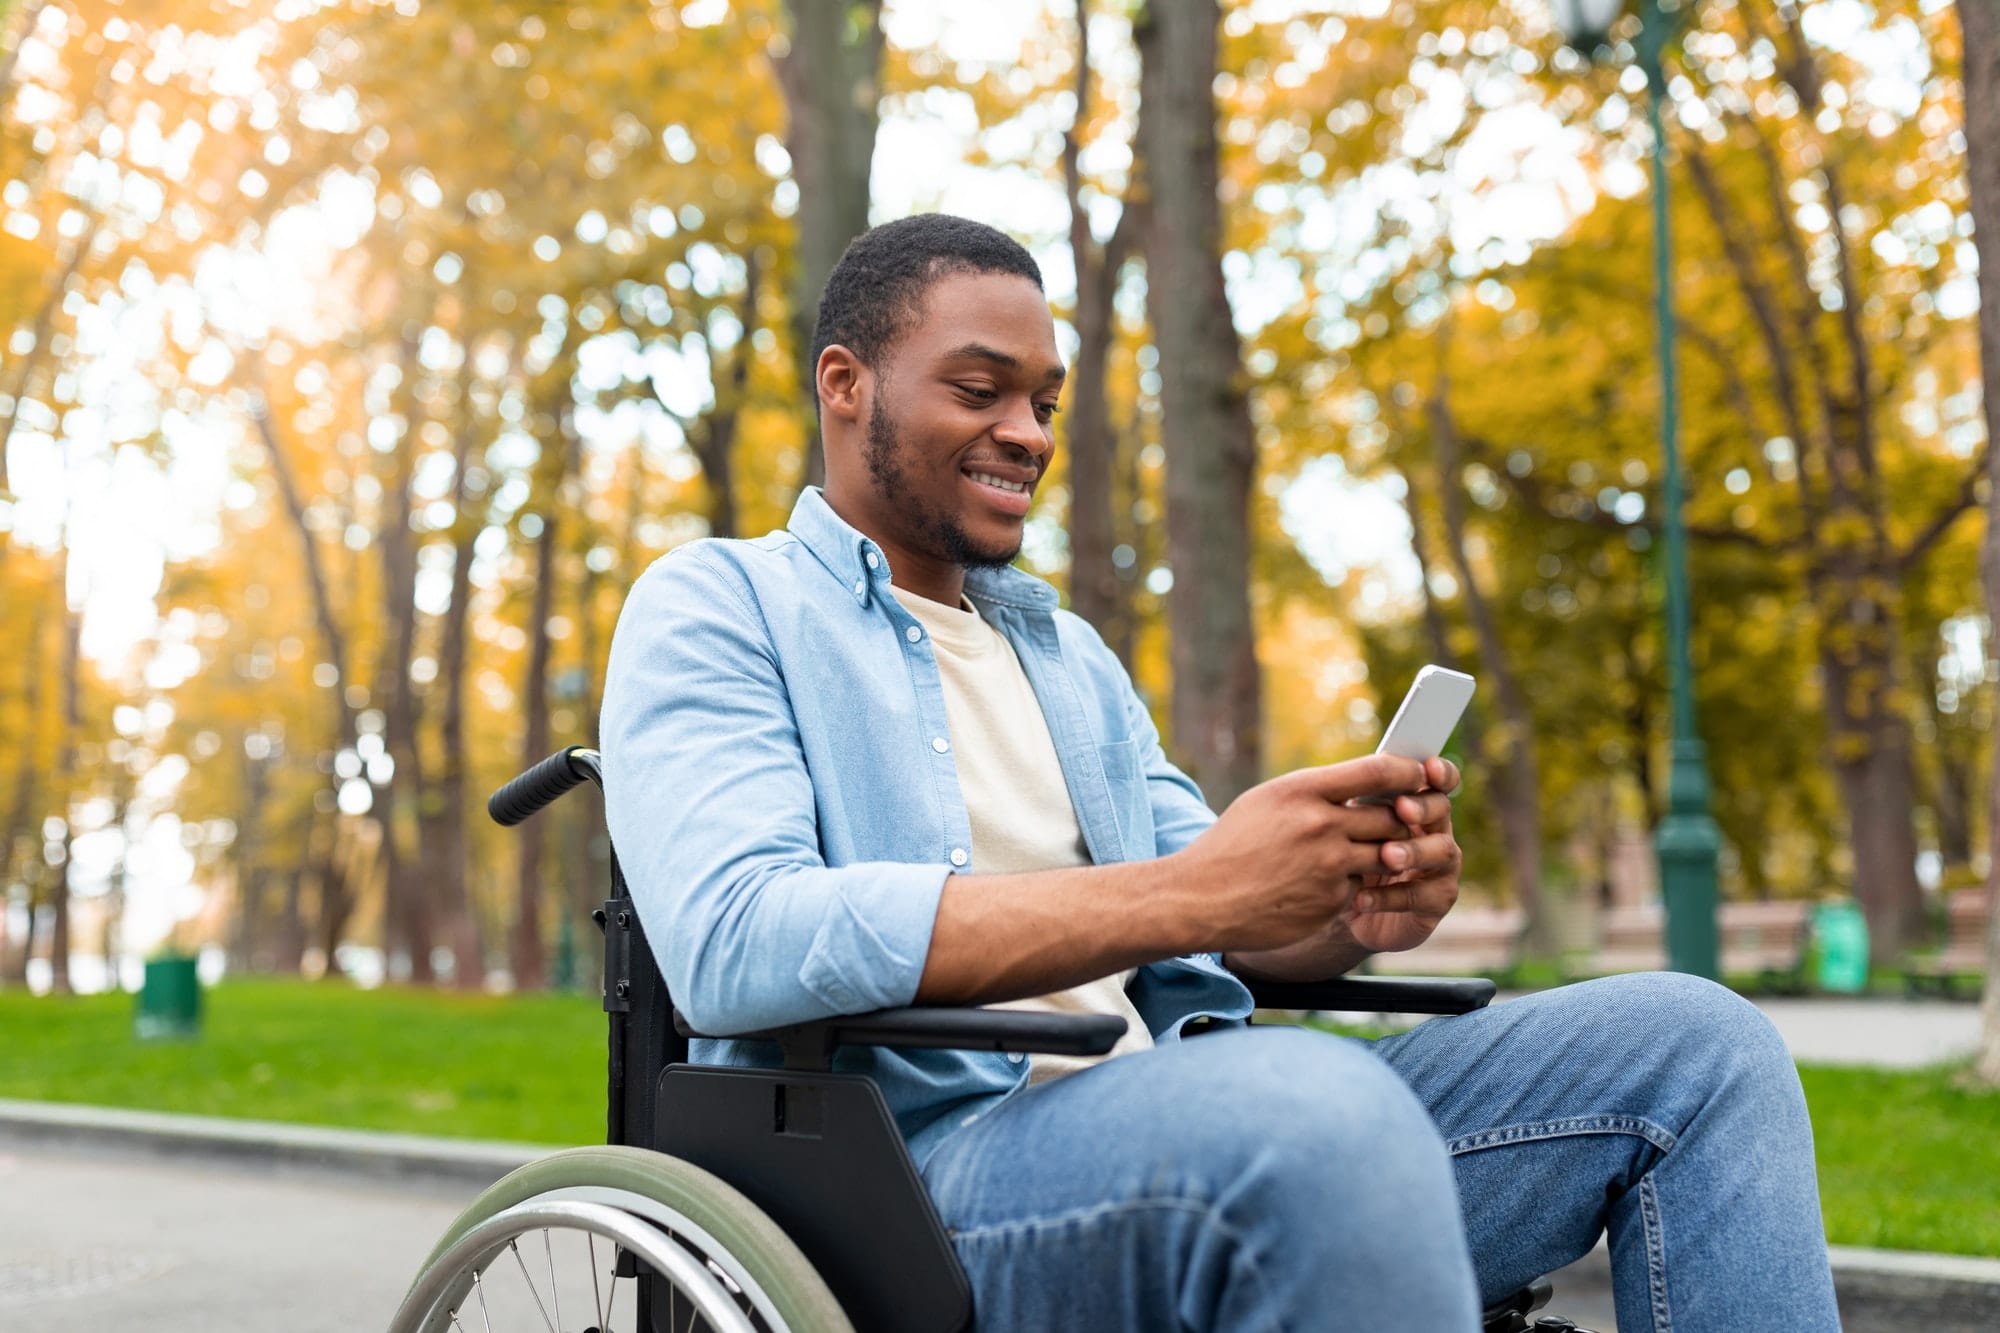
1700 1024
1324 1116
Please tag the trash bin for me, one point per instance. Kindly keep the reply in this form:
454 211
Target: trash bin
170 1000
1840 946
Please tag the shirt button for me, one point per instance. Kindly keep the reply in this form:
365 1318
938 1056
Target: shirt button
958 856
874 561
858 586
940 744
1015 1057
912 633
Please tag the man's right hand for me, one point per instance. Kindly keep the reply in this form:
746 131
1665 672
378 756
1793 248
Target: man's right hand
1284 860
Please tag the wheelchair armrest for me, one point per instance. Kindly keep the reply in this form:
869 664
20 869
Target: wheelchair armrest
941 1027
1376 995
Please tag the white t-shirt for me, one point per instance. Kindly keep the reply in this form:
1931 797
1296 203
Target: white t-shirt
1022 818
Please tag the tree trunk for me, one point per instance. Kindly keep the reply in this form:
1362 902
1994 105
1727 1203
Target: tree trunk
334 906
288 937
1097 592
336 895
446 840
830 79
65 771
714 444
1205 417
407 926
21 809
1981 26
1517 797
530 958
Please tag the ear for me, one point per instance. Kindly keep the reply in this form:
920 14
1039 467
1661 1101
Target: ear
839 379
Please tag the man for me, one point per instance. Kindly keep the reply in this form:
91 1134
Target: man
863 762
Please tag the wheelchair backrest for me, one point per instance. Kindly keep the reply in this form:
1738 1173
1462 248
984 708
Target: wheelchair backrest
643 1041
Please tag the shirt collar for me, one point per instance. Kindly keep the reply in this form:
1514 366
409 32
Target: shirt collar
846 551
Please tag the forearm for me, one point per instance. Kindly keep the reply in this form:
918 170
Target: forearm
1006 937
1319 957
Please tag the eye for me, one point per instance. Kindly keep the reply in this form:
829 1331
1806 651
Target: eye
1046 411
977 394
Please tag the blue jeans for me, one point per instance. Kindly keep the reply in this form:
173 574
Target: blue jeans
1281 1179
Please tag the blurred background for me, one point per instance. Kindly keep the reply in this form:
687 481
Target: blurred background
356 356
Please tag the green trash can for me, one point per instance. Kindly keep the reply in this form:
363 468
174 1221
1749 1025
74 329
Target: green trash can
1840 946
170 1000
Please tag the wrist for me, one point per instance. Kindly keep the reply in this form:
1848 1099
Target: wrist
1176 896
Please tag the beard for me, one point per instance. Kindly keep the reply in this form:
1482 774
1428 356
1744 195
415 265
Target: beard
937 531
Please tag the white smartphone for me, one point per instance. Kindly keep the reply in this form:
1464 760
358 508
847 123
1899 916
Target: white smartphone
1425 719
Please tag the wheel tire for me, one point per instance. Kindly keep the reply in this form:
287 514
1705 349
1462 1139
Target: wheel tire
738 1226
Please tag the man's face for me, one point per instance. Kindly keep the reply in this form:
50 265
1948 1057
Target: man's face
965 399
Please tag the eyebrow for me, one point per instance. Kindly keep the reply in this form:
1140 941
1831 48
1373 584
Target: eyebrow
978 351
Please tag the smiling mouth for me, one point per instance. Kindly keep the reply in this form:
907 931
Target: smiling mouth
988 479
1011 498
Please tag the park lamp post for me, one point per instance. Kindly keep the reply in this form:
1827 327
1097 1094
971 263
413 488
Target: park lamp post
1686 841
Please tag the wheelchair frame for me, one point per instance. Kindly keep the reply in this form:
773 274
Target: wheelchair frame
818 1151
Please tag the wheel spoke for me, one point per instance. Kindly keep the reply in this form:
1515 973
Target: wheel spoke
480 1291
515 1250
555 1288
596 1295
613 1307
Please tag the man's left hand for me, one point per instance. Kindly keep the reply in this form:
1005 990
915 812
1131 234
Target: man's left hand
1400 907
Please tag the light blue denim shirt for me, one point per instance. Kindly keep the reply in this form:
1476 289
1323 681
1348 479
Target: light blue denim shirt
785 806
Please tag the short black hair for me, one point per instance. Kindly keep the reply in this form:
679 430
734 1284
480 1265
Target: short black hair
877 288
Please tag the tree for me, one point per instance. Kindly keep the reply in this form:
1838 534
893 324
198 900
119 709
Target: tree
1098 586
1981 27
830 73
1205 416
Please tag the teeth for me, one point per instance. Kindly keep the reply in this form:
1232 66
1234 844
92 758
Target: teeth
986 480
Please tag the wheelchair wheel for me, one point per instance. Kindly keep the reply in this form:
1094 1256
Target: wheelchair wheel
552 1248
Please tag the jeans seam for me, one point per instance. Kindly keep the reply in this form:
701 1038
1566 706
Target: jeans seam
1532 1131
1099 1212
1656 1256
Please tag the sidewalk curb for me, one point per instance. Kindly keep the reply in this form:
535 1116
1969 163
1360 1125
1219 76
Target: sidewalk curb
368 1152
1898 1273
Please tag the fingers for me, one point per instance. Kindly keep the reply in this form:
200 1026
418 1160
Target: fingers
1431 852
1428 811
1422 897
1371 776
1375 823
1442 775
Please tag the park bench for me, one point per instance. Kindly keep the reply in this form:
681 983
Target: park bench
1469 941
1767 939
1629 939
1963 955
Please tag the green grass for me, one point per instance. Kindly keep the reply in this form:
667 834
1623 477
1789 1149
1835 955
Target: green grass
1907 1160
527 1067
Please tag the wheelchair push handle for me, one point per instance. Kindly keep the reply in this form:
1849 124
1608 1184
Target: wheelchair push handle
528 793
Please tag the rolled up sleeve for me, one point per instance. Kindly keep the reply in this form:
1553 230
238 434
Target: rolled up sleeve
1180 812
712 814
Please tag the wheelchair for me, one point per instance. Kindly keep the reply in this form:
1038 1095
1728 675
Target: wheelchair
737 1200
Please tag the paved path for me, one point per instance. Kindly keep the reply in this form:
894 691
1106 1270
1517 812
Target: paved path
115 1238
177 1224
1891 1034
1885 1033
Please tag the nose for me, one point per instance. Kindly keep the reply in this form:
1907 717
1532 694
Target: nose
1021 428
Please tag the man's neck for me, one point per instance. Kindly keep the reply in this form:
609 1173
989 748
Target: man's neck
911 570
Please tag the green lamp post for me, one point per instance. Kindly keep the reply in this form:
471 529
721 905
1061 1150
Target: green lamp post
1687 841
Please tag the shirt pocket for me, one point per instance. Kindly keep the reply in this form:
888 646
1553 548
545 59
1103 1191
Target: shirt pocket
1130 801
